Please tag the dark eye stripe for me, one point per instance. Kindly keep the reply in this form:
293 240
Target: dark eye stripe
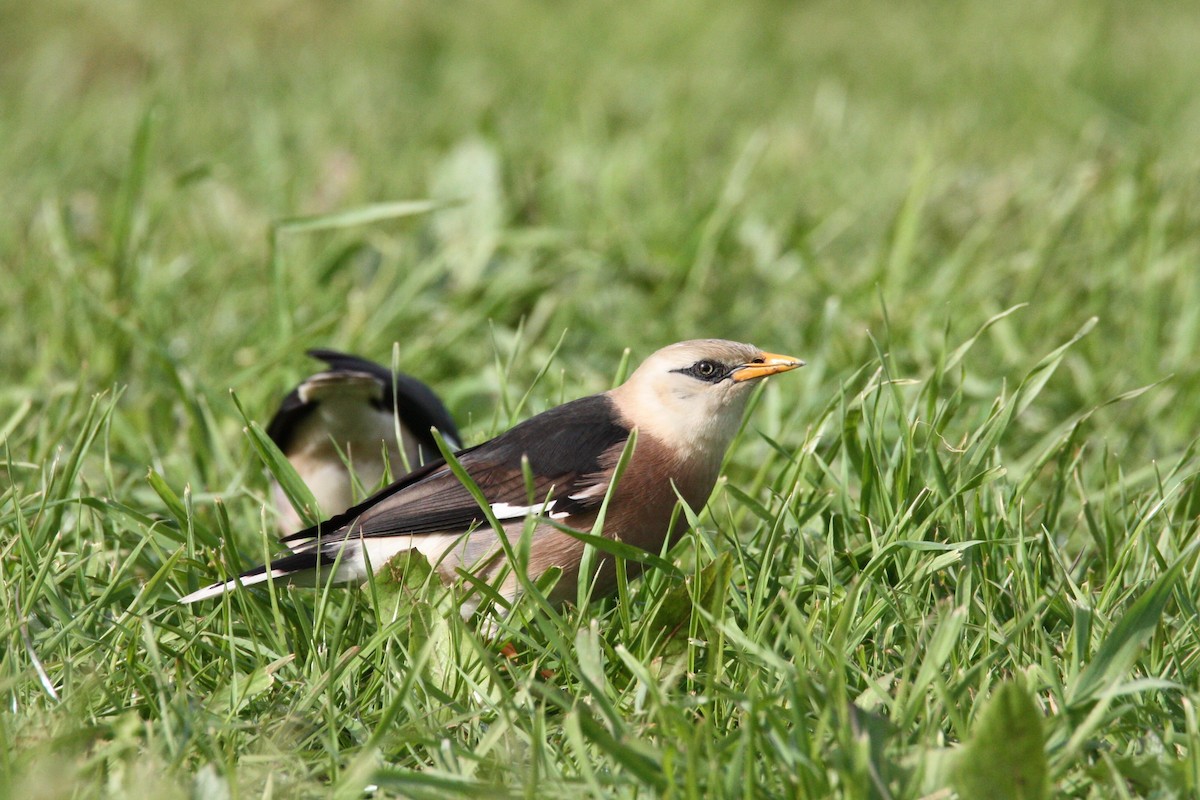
706 370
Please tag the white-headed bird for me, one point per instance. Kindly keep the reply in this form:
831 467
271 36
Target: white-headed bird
342 423
686 403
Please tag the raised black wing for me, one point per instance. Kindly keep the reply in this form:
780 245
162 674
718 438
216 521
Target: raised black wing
418 406
345 362
294 410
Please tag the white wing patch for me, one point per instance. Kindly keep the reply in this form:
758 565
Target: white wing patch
596 490
507 511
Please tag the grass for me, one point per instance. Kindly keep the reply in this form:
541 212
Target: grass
956 554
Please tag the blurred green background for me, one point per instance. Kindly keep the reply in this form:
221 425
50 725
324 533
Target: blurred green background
768 171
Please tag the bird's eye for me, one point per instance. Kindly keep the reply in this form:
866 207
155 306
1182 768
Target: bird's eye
706 370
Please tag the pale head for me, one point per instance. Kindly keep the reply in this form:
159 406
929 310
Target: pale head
692 394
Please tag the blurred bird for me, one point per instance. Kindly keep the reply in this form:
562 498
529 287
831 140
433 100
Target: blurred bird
686 402
345 419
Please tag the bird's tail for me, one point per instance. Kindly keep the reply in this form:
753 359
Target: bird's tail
289 568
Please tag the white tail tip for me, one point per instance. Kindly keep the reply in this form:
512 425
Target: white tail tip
218 589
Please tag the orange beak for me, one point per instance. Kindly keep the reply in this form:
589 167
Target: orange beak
764 365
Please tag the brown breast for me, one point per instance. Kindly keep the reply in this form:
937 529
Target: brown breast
640 514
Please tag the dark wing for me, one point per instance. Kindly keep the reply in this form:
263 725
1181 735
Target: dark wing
421 410
344 362
571 451
418 406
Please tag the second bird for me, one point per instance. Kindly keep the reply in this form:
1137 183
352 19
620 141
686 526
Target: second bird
346 418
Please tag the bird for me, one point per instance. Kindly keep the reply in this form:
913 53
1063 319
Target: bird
337 425
685 402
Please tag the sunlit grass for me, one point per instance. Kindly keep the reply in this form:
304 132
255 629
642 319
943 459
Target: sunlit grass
976 507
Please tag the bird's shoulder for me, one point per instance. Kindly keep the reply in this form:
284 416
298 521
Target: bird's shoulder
568 438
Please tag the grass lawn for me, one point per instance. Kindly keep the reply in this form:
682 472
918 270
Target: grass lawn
956 555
